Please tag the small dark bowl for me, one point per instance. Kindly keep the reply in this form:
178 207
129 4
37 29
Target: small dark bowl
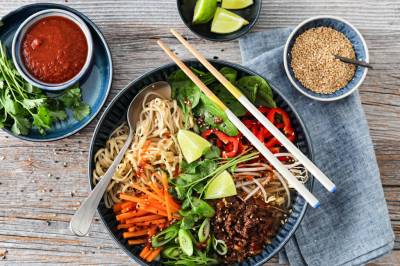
251 14
115 114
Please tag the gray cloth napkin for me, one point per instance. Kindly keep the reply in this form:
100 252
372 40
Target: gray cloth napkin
352 226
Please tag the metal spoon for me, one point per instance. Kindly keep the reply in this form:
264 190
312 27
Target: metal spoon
353 61
80 222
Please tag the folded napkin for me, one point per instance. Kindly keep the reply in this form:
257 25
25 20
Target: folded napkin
352 226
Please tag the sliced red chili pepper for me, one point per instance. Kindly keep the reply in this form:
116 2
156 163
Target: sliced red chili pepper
287 126
263 109
231 143
205 134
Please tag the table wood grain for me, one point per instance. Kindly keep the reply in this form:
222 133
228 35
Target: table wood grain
42 184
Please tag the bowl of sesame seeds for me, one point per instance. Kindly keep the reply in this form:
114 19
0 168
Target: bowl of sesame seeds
310 62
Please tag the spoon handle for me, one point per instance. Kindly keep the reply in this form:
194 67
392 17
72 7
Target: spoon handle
80 222
353 61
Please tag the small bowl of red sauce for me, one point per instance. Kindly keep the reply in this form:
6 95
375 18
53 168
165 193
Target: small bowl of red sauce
52 49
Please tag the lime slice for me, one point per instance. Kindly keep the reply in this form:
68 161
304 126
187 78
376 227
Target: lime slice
192 145
236 4
226 21
222 186
204 11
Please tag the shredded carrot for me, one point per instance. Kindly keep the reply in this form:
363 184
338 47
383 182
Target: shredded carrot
127 215
135 233
126 205
172 203
128 209
156 189
132 228
144 219
151 204
132 198
152 231
153 255
117 207
145 251
158 221
136 241
148 193
164 181
124 226
152 210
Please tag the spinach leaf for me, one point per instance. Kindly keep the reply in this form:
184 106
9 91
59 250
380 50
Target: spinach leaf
257 90
234 105
229 73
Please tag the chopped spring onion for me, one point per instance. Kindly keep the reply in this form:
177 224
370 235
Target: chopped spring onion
204 230
185 242
220 247
172 252
165 236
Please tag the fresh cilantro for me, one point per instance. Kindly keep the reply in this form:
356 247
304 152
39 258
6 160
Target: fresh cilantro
81 111
23 106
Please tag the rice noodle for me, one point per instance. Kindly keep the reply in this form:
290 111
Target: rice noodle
154 147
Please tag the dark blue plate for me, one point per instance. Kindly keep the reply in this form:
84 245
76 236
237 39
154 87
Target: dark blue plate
95 85
115 114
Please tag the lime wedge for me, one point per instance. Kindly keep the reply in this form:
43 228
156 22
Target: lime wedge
192 145
226 21
236 4
222 186
204 11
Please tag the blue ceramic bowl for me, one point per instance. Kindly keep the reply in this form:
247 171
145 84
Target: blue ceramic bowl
18 39
359 46
95 84
115 114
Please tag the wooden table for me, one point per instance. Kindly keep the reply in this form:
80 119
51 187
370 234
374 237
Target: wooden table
41 184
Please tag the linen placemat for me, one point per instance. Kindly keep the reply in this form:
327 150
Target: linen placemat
352 226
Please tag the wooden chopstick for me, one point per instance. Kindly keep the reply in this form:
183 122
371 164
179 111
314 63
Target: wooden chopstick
293 181
308 164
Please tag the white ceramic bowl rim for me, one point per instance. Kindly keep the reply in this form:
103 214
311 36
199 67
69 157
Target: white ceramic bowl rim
287 67
28 23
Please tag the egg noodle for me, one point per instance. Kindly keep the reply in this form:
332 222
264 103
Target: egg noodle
154 147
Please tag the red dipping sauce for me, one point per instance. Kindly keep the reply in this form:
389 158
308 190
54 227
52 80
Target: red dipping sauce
54 49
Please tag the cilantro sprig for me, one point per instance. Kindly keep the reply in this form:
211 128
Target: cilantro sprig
23 107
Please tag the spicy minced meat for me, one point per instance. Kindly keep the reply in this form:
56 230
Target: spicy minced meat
245 226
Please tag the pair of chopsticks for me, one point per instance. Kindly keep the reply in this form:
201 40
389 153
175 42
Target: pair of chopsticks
292 180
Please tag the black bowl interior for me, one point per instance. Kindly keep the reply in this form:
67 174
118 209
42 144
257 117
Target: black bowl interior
115 114
186 10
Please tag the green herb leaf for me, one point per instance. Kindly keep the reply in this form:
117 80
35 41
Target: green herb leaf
58 115
42 120
234 105
81 111
257 90
71 97
21 125
229 73
213 153
187 222
33 103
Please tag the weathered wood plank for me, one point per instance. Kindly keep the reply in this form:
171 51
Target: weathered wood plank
35 186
